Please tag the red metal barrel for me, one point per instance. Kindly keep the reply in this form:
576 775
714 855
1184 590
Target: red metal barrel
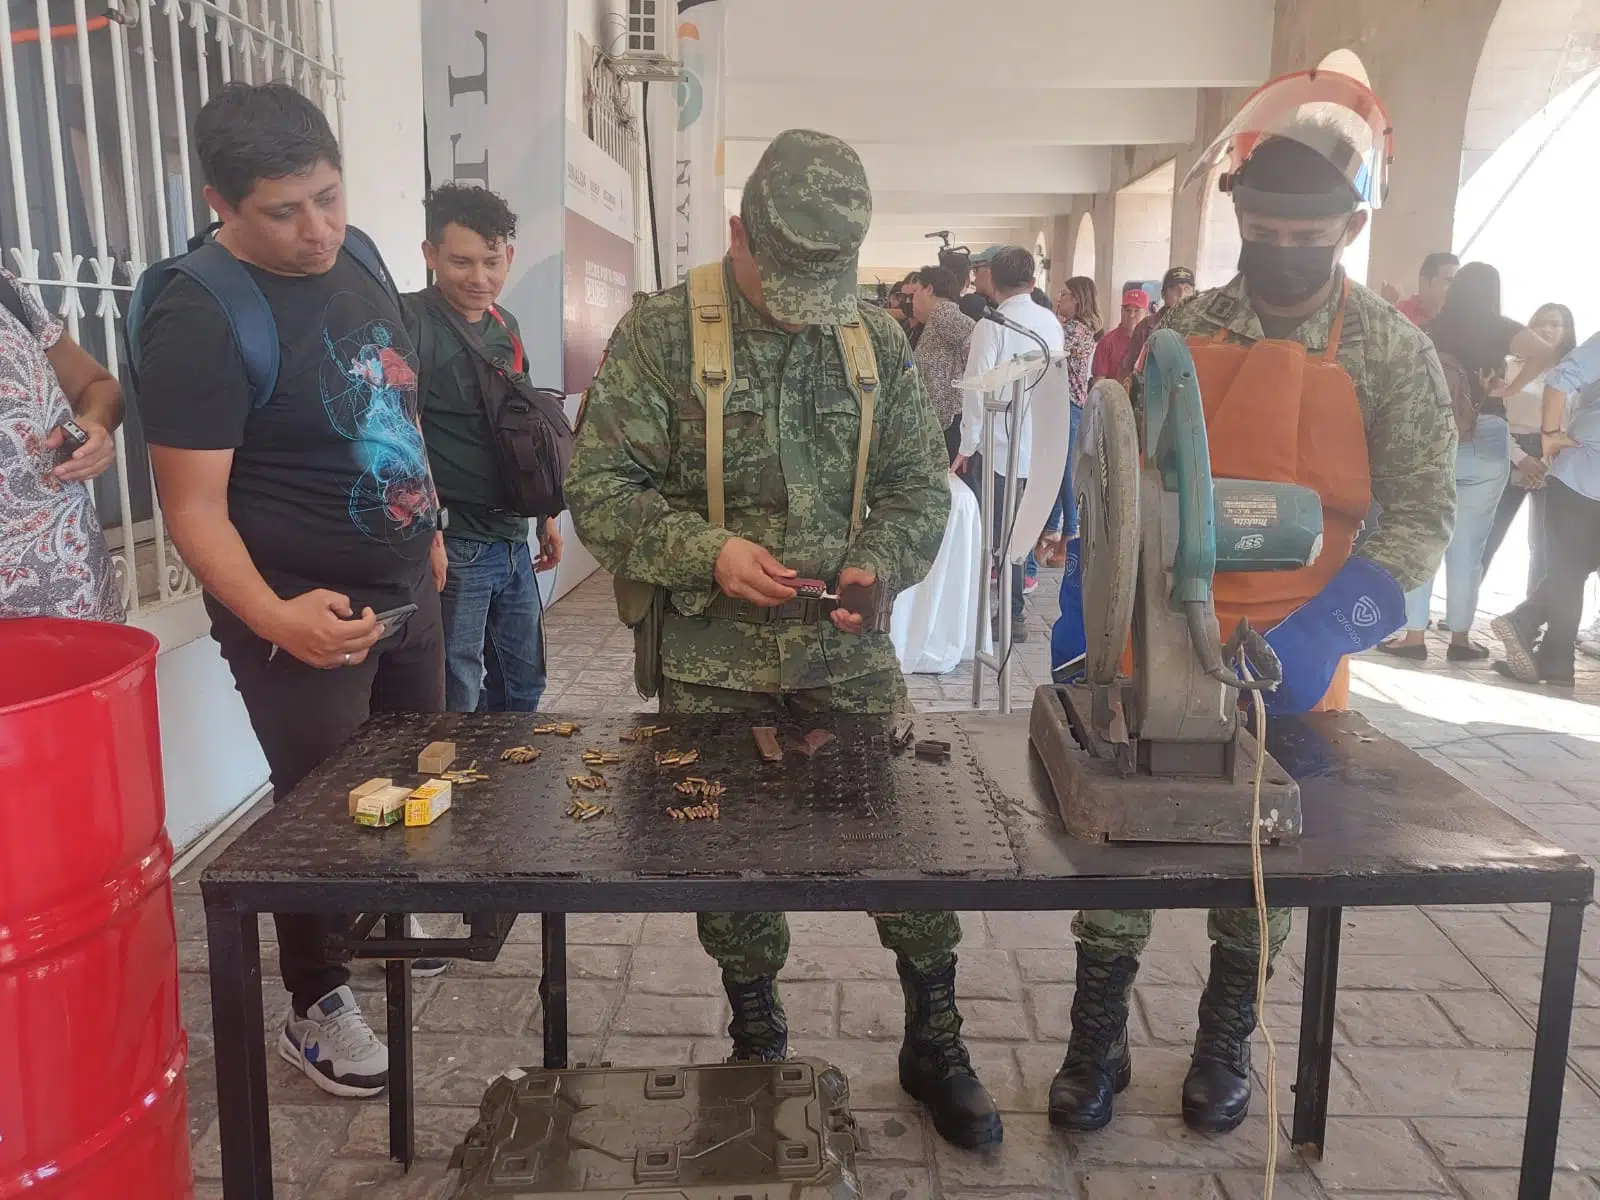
92 1050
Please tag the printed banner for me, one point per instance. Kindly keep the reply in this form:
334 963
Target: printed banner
599 256
686 125
494 95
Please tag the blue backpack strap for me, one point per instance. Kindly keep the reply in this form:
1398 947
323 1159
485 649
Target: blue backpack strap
255 331
365 251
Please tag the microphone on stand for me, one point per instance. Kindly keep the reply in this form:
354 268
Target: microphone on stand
999 318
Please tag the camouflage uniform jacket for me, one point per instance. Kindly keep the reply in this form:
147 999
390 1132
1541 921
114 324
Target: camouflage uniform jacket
637 485
1405 406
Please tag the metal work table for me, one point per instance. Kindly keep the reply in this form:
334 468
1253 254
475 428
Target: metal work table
855 828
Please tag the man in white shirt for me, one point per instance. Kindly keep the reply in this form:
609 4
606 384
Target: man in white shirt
1011 278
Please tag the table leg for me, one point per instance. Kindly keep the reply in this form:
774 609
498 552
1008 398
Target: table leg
233 941
402 1122
1561 949
1314 1072
553 988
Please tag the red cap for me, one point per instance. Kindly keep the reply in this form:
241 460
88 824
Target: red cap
1136 298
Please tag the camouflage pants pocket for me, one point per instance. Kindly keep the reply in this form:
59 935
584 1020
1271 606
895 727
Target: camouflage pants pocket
748 946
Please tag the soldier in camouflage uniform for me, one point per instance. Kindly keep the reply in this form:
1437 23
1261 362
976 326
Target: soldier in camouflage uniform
734 639
1298 207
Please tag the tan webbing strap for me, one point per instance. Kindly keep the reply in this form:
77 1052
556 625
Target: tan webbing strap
711 339
861 372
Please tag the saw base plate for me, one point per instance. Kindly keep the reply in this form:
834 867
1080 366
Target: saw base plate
1099 803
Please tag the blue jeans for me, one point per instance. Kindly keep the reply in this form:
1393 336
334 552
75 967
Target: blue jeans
1018 571
1482 467
1065 514
493 628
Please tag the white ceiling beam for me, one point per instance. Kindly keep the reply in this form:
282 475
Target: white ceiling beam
941 167
970 230
936 210
1154 43
955 206
854 111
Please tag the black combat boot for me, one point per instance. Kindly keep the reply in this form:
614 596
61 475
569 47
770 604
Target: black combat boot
1216 1092
934 1067
759 1030
1098 1064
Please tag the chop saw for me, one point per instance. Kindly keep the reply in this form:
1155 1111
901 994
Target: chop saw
1150 745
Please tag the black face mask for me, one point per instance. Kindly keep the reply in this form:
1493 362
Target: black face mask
1284 276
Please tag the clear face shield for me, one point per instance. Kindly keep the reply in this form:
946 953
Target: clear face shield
1332 113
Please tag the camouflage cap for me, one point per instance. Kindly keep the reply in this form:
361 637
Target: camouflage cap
806 211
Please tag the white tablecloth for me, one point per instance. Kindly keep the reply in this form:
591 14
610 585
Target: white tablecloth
934 626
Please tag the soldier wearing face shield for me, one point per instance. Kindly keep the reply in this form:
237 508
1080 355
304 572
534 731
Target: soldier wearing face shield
1308 378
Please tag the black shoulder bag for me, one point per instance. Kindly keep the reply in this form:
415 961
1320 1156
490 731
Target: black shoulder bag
532 436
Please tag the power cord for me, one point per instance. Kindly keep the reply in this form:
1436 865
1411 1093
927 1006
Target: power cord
1258 881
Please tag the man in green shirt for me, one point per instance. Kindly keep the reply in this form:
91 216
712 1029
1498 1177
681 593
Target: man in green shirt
493 613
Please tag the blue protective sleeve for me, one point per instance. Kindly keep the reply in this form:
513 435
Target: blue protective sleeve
1359 607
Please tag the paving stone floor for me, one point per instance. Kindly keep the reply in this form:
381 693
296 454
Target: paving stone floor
1435 1017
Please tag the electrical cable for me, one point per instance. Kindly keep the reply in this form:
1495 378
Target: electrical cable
1263 953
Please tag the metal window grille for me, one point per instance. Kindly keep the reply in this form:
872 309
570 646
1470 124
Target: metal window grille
99 101
608 113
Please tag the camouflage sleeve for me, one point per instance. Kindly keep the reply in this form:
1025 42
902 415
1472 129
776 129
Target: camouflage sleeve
623 449
907 494
1411 444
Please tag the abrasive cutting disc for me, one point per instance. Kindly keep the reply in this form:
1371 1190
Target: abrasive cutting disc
1105 477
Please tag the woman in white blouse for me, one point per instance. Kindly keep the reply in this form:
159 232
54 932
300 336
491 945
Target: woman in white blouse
1554 323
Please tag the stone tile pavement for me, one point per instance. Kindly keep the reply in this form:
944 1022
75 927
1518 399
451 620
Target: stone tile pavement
1435 1016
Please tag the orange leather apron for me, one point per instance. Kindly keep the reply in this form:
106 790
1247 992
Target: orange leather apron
1276 414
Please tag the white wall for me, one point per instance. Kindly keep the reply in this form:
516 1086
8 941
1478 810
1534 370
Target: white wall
380 43
210 760
1143 233
209 754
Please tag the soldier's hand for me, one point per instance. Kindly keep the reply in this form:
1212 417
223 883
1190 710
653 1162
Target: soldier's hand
746 571
851 622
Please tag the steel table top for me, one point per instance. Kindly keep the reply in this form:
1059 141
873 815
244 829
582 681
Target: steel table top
858 827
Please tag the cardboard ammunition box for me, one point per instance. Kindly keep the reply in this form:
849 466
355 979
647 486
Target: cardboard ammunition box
425 805
384 807
715 1132
436 758
366 789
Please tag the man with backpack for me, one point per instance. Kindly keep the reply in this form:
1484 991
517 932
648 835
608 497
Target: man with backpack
278 391
472 361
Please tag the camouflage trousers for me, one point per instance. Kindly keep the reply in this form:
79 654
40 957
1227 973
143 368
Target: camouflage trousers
751 946
1126 931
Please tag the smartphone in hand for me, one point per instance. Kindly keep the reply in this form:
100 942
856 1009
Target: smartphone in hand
394 619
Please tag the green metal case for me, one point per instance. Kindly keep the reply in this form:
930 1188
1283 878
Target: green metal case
730 1131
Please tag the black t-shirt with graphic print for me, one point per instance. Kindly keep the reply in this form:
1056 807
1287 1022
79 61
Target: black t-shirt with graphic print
329 487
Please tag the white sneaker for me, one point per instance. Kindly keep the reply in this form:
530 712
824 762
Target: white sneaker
335 1047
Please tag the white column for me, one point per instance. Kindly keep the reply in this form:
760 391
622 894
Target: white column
381 49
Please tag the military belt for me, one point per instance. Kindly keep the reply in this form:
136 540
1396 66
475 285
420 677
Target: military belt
802 612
